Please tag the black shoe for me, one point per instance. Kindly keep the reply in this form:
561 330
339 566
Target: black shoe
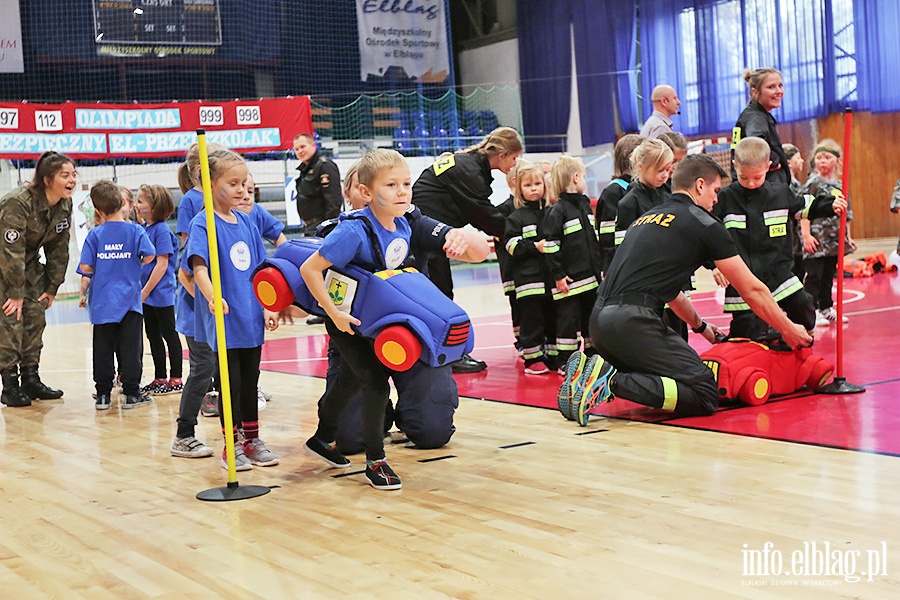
103 402
467 364
33 387
315 320
12 394
326 452
381 476
135 401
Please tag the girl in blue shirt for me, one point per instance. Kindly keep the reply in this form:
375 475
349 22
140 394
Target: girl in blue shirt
240 249
154 205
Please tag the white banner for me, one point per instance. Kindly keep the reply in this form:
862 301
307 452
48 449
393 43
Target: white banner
402 39
11 60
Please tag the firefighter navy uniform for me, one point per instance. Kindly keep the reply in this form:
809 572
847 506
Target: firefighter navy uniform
607 209
504 260
656 367
572 250
318 191
759 221
537 330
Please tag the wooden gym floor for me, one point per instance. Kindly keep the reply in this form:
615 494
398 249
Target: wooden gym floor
520 504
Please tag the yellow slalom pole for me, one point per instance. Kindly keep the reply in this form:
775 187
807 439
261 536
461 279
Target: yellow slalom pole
217 304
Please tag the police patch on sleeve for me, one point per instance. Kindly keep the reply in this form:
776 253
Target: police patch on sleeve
11 236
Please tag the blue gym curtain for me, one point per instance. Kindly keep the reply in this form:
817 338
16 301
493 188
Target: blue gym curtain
604 37
832 53
877 25
545 71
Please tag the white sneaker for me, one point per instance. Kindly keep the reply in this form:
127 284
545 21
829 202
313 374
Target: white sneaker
831 314
190 447
260 400
241 462
821 319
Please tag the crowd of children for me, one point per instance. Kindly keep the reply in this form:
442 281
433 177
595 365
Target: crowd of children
553 255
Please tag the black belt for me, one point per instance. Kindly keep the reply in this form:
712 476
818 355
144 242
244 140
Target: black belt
635 299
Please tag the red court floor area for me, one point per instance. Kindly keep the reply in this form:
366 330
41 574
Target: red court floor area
868 422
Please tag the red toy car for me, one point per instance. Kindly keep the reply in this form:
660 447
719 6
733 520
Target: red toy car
752 371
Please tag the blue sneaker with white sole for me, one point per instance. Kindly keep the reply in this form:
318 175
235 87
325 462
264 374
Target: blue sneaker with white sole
572 372
591 388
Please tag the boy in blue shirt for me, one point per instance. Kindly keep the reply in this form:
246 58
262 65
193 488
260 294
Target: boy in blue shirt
384 181
111 260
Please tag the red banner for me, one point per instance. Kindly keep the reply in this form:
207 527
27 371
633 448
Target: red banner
150 130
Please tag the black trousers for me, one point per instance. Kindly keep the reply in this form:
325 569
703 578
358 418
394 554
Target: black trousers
537 329
573 314
440 275
202 367
799 307
122 338
359 369
656 367
243 378
159 323
820 274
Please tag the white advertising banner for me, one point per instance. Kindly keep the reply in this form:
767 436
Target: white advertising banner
403 39
11 60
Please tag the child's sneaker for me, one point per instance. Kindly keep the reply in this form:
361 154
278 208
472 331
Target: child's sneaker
241 462
175 384
190 447
537 368
381 476
260 401
103 402
154 386
327 452
135 401
591 388
571 371
265 394
259 455
210 405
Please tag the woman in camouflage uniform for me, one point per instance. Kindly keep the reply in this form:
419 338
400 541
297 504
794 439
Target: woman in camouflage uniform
35 216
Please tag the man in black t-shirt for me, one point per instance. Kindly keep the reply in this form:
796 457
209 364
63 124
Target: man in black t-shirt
641 359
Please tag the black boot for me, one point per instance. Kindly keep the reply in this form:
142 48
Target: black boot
33 387
467 364
12 393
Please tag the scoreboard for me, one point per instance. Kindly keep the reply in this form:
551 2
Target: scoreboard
158 22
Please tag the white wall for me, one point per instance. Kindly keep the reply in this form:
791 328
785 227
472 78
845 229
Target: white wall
492 65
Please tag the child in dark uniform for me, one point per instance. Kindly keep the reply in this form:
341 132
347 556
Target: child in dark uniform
525 243
573 256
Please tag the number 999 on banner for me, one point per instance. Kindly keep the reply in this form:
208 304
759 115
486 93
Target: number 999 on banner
211 115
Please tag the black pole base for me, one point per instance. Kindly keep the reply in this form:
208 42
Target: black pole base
840 386
233 492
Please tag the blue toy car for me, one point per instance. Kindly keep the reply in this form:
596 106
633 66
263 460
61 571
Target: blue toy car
402 310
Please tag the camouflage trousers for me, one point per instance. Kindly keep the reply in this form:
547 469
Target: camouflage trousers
21 341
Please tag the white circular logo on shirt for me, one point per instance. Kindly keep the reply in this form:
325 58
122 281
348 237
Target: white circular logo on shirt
240 256
11 236
395 253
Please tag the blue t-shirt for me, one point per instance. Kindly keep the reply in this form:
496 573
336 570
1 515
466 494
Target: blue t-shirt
165 242
240 251
350 242
269 227
191 203
184 304
114 250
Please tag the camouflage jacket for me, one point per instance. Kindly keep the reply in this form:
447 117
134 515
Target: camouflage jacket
826 229
27 224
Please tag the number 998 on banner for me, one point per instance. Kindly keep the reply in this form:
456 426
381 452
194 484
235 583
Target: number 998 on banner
248 115
211 115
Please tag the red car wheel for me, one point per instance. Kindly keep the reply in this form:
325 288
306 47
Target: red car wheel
819 375
272 289
397 347
756 389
